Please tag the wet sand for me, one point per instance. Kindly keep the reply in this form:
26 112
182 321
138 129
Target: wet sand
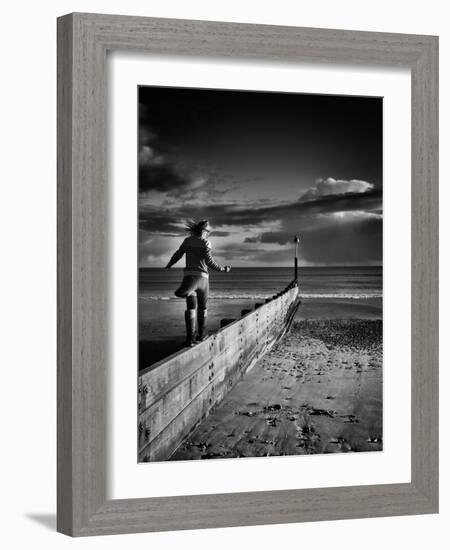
319 390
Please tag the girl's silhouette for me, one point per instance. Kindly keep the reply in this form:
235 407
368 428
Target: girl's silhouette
195 284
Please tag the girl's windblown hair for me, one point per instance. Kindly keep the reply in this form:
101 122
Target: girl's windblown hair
190 226
196 228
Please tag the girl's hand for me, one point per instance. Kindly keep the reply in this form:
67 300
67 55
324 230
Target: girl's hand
227 268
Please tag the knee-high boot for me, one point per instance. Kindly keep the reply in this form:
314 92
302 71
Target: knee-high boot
202 315
189 317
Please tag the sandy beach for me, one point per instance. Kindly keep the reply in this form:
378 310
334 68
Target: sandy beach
318 390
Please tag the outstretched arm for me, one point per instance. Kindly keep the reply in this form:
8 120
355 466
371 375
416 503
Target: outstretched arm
177 255
211 263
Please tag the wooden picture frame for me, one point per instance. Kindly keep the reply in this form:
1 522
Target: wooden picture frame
83 41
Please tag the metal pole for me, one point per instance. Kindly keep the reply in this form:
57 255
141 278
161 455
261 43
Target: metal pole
296 241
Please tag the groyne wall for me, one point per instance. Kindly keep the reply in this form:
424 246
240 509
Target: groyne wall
179 391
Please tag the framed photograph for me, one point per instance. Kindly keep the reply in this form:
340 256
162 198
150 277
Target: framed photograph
247 274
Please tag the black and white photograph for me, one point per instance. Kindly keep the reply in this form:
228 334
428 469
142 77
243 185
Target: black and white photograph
260 274
221 274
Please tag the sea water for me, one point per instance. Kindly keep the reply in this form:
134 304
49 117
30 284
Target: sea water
326 293
256 283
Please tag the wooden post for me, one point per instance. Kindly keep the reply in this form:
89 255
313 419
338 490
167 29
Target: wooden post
296 241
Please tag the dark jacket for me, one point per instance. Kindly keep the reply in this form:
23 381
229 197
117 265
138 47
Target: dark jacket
198 257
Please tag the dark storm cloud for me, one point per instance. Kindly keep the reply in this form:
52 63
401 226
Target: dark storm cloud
157 170
220 234
162 178
257 165
247 215
329 235
357 241
269 132
161 171
161 223
343 227
252 239
325 243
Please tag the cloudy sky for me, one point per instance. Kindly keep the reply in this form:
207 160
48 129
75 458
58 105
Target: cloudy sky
262 167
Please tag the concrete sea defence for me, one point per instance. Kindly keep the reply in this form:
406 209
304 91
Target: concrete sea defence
179 392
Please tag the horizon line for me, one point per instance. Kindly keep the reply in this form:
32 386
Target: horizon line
276 266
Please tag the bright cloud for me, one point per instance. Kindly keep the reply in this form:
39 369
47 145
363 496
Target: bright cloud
331 186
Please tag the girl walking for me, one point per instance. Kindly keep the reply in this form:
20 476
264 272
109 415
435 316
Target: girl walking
195 284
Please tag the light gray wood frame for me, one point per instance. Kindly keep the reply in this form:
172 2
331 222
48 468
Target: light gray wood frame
83 41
